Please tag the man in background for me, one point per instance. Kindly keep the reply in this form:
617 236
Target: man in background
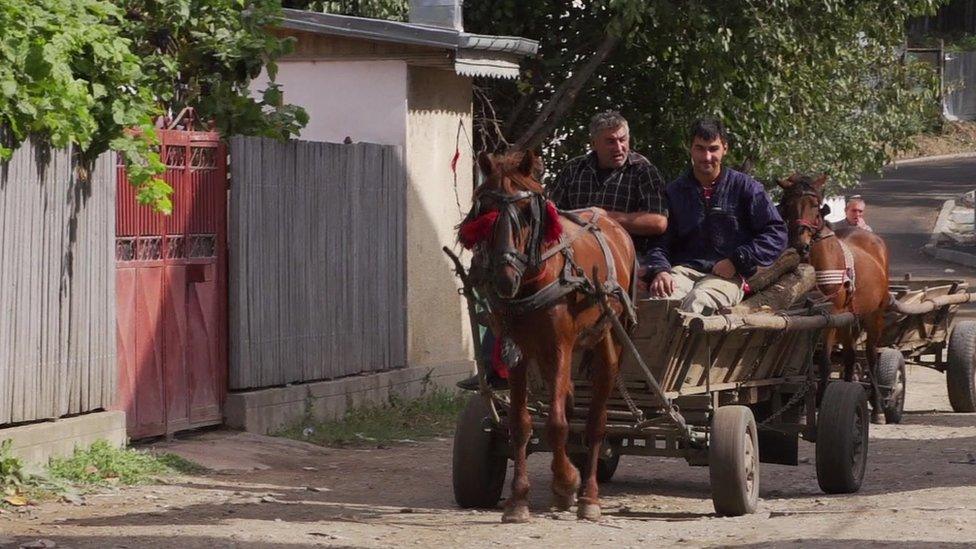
854 214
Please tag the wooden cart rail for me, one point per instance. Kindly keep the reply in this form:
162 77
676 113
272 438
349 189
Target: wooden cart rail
930 304
766 321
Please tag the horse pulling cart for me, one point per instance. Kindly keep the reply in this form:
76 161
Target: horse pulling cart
726 391
920 329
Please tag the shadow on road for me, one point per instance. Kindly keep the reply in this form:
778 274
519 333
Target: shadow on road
896 465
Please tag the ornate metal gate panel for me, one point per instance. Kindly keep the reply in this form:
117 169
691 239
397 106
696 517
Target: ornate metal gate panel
171 274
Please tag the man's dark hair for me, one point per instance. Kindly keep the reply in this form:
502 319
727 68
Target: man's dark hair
707 129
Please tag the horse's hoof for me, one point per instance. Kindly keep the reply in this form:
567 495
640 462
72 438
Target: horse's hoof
516 514
877 417
588 511
562 502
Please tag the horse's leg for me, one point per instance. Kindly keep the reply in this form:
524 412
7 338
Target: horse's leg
874 325
519 429
565 477
604 373
848 338
829 340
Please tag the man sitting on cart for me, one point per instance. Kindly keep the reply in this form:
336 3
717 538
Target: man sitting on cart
722 226
614 178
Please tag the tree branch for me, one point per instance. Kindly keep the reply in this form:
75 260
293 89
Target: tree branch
565 96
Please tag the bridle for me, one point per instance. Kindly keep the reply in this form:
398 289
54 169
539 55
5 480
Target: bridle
817 227
510 213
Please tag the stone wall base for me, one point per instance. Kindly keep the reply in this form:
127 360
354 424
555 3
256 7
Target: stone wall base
266 411
36 443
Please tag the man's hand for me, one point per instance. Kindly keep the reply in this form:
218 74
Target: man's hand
724 269
662 285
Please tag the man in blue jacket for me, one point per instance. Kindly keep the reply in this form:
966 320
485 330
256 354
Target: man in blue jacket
722 226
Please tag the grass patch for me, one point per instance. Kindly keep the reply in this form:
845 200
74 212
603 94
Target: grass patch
101 464
400 420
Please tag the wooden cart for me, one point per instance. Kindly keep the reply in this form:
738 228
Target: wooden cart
920 329
725 391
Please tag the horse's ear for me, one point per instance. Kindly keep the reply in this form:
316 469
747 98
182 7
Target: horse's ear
527 165
485 163
785 183
820 182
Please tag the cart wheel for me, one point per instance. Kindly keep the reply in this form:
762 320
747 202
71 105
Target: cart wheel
962 367
605 467
891 373
733 461
478 471
842 438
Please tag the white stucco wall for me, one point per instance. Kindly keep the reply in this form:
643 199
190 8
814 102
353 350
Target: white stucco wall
364 100
439 100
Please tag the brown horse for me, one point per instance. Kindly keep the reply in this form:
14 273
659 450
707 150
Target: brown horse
851 265
547 308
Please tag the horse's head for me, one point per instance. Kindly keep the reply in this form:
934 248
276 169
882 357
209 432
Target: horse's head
509 216
801 208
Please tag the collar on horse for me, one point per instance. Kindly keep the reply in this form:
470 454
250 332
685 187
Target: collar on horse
572 278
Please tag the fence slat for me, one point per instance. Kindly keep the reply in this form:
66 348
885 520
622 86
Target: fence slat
57 287
317 265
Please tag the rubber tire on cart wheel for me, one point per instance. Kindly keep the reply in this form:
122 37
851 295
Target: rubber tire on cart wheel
478 472
605 467
842 438
733 461
960 380
891 373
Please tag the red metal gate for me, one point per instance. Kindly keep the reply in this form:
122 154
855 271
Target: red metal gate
171 292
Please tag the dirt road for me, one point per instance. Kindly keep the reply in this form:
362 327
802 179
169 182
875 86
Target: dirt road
920 490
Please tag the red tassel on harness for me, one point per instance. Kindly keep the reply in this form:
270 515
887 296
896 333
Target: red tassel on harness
477 230
496 359
554 228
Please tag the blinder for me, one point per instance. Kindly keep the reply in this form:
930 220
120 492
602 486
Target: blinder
512 214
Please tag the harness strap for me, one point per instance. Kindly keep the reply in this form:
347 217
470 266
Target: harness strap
573 278
837 277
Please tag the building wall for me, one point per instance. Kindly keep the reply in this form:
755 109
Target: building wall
437 322
363 100
419 108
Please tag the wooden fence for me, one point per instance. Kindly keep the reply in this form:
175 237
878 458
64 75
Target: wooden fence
57 286
317 261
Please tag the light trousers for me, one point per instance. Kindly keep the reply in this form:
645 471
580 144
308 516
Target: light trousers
704 293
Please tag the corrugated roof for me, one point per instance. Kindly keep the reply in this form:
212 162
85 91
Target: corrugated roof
404 33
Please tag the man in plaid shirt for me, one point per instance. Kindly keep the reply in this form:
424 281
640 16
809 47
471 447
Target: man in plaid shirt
614 178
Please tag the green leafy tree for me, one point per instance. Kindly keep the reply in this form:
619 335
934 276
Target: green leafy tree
802 85
96 73
205 53
68 76
394 10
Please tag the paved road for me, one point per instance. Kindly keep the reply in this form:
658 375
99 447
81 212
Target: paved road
903 205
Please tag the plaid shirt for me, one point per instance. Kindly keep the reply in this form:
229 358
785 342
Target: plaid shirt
637 186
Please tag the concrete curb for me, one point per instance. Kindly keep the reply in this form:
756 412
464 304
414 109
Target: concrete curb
926 159
941 225
265 411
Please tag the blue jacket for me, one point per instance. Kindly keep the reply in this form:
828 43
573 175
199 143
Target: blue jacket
740 224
